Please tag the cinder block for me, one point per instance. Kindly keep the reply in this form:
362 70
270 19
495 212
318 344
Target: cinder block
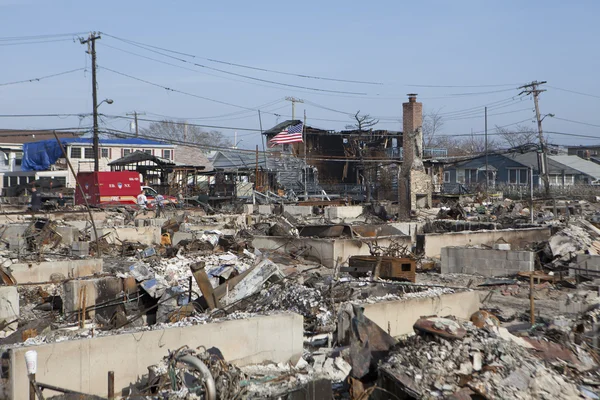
179 236
80 249
525 266
502 246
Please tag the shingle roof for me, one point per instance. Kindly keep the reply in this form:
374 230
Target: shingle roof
577 163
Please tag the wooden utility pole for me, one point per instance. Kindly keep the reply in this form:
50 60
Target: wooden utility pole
532 88
91 42
487 174
135 117
294 101
305 165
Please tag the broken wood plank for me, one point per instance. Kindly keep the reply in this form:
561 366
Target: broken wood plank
204 284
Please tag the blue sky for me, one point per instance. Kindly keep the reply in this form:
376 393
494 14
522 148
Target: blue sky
397 43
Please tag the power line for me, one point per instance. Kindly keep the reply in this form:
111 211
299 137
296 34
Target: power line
245 76
42 77
489 115
55 35
250 67
576 122
575 92
35 42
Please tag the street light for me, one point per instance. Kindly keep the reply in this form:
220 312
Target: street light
547 115
96 140
236 145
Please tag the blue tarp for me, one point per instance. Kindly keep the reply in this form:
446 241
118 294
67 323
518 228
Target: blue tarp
39 156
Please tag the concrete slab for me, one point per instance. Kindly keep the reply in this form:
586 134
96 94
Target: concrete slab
302 211
433 242
43 272
398 317
274 338
147 235
343 212
485 262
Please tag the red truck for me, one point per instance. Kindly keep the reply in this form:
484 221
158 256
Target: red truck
115 188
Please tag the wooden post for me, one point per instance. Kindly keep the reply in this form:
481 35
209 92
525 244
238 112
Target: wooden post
111 385
531 305
204 284
32 387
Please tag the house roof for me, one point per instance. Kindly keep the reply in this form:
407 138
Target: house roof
117 142
20 136
233 160
577 163
530 160
140 156
192 157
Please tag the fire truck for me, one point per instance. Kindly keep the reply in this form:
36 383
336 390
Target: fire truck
115 188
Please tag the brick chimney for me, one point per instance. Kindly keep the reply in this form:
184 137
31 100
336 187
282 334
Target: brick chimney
412 118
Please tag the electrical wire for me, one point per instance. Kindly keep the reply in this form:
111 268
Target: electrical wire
248 66
489 115
36 42
576 122
42 77
34 37
574 91
246 76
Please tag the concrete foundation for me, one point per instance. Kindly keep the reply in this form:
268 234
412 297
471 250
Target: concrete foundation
486 262
329 252
96 291
409 228
48 270
82 365
265 209
398 317
343 212
301 211
518 238
147 235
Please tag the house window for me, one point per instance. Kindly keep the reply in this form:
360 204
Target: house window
75 152
557 180
517 176
168 154
88 152
470 176
446 176
126 151
105 153
148 151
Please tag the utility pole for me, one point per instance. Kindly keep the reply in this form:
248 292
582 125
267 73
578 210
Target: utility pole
487 174
305 165
135 117
294 101
184 132
91 42
532 88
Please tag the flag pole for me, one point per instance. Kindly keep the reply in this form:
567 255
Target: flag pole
305 165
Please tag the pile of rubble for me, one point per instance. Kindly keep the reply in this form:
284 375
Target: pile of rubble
489 362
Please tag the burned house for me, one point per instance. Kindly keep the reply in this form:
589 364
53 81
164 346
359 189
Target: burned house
344 163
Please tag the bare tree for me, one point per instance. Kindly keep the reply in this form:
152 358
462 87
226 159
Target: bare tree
181 132
364 122
473 145
519 136
432 124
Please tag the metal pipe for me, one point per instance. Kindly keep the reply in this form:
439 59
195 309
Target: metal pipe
211 390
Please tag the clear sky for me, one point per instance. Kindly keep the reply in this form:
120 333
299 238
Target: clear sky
466 44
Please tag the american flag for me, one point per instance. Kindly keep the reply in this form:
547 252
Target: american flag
292 134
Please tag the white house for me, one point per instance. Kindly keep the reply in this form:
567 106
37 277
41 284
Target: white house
45 159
